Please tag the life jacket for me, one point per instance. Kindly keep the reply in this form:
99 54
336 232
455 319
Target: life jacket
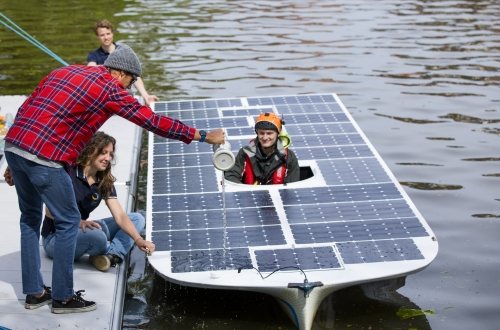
278 176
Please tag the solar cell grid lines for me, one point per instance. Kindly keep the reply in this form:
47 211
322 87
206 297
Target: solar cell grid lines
346 221
350 211
190 105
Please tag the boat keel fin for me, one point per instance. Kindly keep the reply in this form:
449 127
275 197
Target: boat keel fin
306 287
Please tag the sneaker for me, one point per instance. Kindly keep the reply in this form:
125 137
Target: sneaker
33 302
101 262
75 305
115 260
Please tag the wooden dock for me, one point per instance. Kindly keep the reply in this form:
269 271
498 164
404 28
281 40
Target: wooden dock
107 289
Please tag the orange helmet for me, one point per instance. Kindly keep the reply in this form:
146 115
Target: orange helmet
268 120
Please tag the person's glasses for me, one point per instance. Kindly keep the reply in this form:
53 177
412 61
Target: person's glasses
132 82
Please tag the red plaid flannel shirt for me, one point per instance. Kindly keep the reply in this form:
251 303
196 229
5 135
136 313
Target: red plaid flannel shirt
71 104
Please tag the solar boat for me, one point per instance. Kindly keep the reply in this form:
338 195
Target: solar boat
346 222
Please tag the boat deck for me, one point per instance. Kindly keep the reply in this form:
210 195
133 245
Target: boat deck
347 221
107 289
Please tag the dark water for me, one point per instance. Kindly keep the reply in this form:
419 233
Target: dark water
421 78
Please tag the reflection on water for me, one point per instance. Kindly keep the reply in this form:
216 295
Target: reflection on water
469 119
415 74
486 215
491 130
164 305
411 120
430 185
171 306
374 306
418 164
441 138
483 159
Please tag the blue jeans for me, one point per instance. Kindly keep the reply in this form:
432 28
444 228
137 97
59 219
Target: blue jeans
95 241
35 185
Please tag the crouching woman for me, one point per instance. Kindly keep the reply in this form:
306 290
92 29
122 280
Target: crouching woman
106 241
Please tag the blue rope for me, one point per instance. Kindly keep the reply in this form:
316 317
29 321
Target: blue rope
292 311
20 32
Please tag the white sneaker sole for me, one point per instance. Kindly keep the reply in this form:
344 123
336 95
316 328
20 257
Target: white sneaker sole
74 310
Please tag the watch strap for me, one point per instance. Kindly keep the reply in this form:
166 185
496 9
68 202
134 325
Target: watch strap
203 135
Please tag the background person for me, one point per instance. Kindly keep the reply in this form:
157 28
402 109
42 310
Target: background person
93 182
50 130
265 160
104 31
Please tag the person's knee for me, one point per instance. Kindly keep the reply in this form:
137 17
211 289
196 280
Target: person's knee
94 235
138 220
92 240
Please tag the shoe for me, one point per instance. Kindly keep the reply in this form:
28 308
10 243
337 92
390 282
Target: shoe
33 302
101 262
115 260
75 305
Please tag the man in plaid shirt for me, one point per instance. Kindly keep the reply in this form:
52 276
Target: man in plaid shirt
51 128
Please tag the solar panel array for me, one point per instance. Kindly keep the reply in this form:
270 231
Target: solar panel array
356 215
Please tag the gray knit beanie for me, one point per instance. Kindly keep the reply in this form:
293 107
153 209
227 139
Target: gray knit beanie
124 58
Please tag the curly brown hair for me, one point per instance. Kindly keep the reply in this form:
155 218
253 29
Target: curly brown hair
93 149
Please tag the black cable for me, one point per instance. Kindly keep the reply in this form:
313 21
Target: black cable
276 270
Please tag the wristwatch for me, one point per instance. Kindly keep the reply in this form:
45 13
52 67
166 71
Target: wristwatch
203 135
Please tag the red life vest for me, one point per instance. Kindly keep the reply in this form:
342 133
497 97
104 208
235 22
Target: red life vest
278 176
